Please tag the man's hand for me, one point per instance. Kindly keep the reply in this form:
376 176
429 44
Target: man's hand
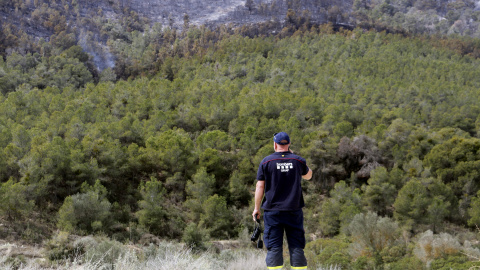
256 214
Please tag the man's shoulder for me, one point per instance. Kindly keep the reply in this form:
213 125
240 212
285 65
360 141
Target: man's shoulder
268 158
297 157
280 156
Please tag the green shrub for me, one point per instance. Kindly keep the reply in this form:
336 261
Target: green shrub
474 211
86 212
338 211
217 218
328 252
60 247
363 262
406 263
411 203
103 251
152 214
13 202
452 262
194 236
371 235
393 254
340 259
329 223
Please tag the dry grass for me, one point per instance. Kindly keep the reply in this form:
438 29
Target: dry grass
162 257
173 259
330 268
165 256
475 257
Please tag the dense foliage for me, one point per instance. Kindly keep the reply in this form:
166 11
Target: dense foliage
389 124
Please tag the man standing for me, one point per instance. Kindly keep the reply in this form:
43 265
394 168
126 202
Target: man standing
279 177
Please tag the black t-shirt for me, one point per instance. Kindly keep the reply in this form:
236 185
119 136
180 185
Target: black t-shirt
282 173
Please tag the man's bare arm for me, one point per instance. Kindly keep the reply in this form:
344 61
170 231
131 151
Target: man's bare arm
260 188
308 176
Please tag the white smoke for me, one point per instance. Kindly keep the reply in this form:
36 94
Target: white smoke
91 44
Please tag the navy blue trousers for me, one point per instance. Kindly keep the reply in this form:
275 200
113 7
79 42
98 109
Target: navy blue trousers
276 224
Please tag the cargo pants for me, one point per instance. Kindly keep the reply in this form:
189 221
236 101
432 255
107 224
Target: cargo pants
290 222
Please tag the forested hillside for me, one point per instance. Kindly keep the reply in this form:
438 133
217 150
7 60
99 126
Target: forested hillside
114 125
389 124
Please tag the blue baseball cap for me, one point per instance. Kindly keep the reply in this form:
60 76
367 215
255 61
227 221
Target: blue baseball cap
281 138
